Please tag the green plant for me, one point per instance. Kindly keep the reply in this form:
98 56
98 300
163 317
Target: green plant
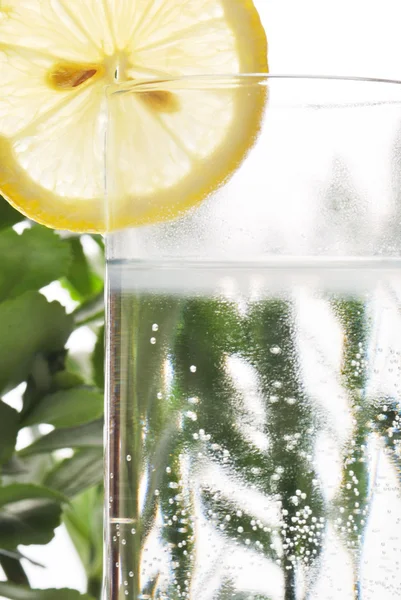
39 491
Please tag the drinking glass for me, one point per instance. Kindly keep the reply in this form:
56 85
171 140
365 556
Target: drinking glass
254 356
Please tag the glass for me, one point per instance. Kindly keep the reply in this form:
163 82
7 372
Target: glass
254 360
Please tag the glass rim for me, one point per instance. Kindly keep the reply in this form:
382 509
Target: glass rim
225 80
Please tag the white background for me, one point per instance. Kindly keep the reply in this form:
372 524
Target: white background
341 37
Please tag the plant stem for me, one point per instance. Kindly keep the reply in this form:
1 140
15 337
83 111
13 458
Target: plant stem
95 587
14 571
290 585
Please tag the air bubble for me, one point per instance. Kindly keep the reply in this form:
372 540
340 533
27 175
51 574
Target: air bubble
129 457
275 350
153 340
155 327
192 368
191 415
159 396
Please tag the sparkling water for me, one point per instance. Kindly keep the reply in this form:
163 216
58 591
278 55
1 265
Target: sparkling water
254 431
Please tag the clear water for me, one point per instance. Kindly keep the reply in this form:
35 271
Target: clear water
254 440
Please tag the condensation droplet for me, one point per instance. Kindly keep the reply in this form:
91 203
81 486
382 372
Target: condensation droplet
192 368
129 457
153 340
155 327
159 396
124 542
131 573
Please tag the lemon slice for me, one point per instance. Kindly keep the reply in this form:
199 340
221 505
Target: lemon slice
171 144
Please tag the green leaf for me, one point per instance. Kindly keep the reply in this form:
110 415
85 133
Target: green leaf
81 281
351 506
29 325
29 515
8 215
83 518
89 435
290 428
209 330
31 260
78 473
98 360
64 380
16 592
238 525
39 382
9 425
67 408
28 470
14 466
25 491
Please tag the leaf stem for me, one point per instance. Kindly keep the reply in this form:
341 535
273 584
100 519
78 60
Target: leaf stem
13 570
290 592
95 587
90 311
